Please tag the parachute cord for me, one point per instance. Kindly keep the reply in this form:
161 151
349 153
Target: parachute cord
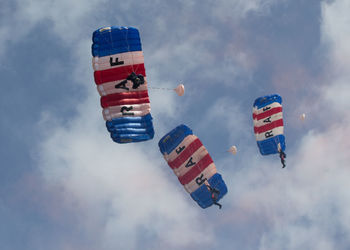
128 47
281 153
127 42
110 35
132 54
160 88
278 143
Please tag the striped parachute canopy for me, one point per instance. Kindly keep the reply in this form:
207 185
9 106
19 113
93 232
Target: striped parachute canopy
268 124
121 82
192 164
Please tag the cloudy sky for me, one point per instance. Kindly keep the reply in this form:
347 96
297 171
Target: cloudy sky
66 186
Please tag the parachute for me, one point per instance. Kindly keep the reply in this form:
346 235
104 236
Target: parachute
232 150
180 90
121 81
268 125
193 166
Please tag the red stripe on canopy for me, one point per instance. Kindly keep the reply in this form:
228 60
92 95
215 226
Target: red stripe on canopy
267 127
180 159
267 113
134 97
196 170
120 73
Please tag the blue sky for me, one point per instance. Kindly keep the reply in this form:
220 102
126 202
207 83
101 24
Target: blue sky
65 185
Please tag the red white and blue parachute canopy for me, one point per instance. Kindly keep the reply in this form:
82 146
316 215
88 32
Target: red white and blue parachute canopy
268 124
121 81
192 164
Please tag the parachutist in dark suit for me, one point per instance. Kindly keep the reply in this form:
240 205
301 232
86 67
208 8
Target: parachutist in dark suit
214 195
137 80
283 156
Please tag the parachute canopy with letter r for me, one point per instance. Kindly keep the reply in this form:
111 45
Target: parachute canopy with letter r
121 81
192 164
268 124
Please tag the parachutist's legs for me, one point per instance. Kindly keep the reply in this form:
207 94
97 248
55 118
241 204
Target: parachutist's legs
218 204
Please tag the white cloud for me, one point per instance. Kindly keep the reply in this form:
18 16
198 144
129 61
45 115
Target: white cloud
227 113
225 9
336 38
305 207
308 209
121 190
66 19
336 34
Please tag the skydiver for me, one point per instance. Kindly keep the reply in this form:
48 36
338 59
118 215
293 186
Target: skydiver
214 195
137 80
283 156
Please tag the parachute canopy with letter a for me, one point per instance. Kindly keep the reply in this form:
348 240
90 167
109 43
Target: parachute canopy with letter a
192 164
268 124
122 84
